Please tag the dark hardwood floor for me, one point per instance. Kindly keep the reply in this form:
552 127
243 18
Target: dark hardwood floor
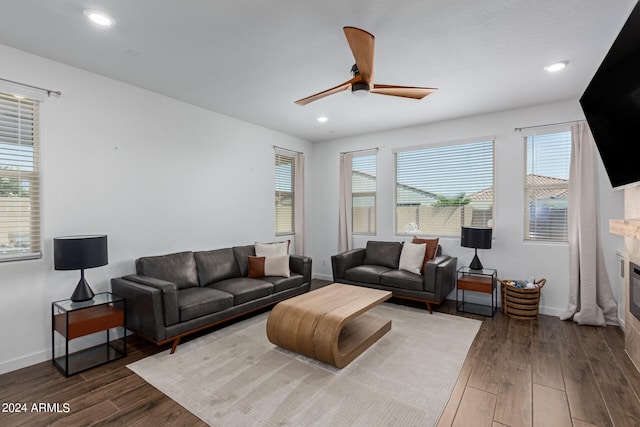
518 373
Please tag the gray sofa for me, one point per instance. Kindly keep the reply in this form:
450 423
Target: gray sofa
174 295
376 266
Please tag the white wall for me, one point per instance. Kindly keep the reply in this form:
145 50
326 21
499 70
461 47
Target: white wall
154 174
158 175
509 255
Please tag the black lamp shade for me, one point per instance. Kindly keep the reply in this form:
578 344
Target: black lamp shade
79 252
476 237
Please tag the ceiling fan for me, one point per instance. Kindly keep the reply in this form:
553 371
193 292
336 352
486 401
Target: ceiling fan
362 45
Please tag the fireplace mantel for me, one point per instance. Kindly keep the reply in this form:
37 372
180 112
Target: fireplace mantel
625 227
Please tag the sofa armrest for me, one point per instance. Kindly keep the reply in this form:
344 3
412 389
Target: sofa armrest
301 265
346 260
169 295
440 276
145 314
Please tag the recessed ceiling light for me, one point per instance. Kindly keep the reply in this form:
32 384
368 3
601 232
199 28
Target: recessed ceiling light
322 119
556 66
99 18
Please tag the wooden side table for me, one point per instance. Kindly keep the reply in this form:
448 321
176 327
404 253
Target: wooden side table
484 281
96 318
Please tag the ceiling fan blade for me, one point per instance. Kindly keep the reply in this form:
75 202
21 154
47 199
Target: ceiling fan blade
362 45
344 86
403 91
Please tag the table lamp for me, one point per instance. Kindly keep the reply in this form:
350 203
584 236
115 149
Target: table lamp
78 253
477 238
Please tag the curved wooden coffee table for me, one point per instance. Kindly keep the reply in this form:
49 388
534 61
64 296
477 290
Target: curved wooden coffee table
329 324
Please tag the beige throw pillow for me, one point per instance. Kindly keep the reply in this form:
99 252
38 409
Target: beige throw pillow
272 249
412 256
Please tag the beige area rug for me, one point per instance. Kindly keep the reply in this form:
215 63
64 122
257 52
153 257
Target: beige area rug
236 377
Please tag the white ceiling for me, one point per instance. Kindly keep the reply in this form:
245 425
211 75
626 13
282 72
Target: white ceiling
251 59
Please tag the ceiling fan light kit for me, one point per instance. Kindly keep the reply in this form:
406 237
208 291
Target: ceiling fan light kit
362 44
360 89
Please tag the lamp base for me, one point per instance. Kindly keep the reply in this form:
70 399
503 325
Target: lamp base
475 263
82 292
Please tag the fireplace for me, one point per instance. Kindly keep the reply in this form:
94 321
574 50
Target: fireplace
634 289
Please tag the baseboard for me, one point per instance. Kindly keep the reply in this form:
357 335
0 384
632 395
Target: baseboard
322 277
25 361
551 311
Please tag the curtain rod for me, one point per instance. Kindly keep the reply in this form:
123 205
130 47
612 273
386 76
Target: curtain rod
358 151
550 124
49 91
287 149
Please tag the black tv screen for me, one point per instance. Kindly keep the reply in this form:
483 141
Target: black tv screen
611 104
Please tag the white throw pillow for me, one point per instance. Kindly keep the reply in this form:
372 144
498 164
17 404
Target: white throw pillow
412 256
272 249
277 266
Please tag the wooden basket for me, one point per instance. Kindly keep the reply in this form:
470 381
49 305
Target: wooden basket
520 303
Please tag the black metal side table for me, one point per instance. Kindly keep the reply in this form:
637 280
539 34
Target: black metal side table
81 331
484 281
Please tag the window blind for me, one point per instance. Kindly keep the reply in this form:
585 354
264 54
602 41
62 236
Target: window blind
19 178
285 194
546 186
439 189
363 194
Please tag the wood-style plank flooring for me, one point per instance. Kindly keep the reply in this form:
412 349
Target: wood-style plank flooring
518 373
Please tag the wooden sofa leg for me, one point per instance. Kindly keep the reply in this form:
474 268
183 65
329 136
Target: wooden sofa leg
175 344
429 307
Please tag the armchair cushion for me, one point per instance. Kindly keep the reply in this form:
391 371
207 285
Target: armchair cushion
386 254
402 279
366 273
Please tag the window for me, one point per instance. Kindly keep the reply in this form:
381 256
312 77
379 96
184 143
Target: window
363 193
285 194
546 186
439 189
19 178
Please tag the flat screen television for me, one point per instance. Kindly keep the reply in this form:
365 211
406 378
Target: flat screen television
611 105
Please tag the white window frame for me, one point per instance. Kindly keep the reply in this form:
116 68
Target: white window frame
425 224
280 194
544 183
20 234
372 210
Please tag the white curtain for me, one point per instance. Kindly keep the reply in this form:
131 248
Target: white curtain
590 298
298 209
345 241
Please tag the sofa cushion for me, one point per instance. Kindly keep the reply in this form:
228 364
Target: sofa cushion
365 273
244 289
386 254
412 257
261 266
283 283
197 301
242 254
402 279
216 265
179 268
